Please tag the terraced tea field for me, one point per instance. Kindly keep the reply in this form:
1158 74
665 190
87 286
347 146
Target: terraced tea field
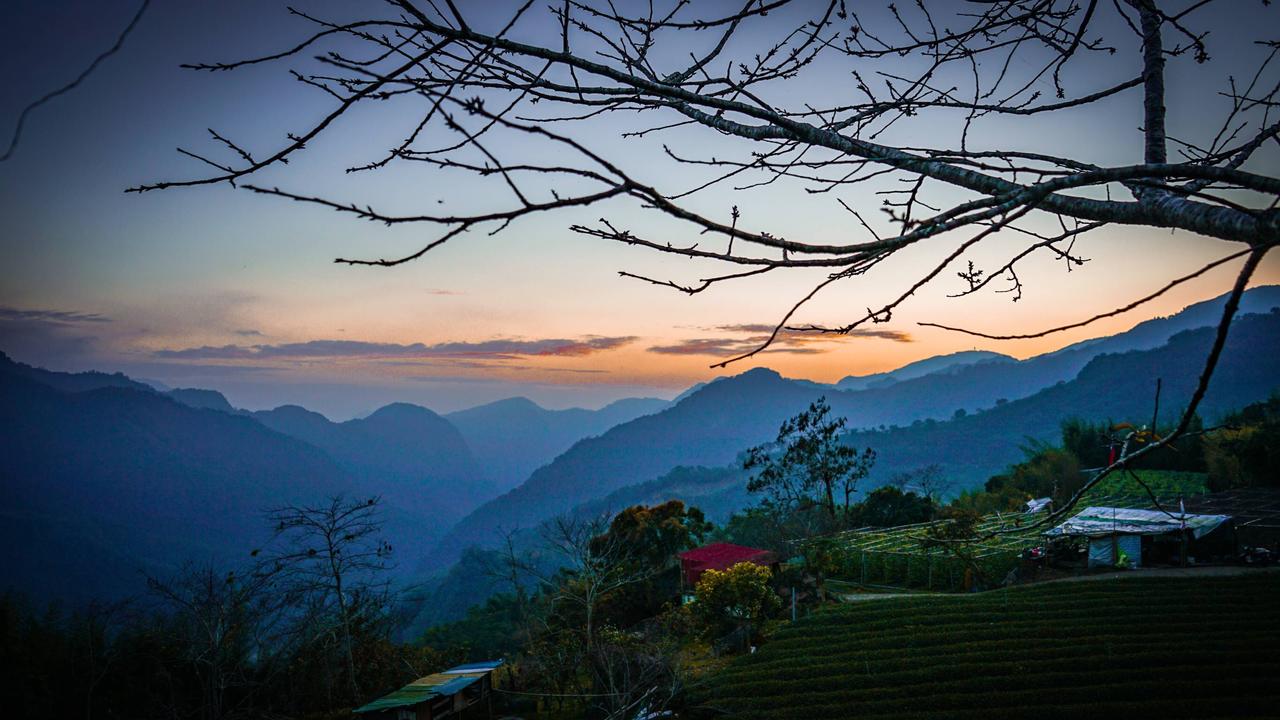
1132 647
896 557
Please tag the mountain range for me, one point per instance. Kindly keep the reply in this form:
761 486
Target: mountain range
710 426
104 477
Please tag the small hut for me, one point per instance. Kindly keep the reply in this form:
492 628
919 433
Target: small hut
436 696
1139 537
720 556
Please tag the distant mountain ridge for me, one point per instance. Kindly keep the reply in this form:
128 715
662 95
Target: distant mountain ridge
706 428
1113 386
478 452
505 440
204 399
69 382
413 457
920 368
511 438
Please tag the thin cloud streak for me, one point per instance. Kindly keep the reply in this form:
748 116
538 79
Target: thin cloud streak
788 341
503 349
51 316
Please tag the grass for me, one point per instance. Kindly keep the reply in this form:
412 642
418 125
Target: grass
1137 647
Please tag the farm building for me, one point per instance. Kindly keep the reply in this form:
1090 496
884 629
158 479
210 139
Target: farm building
1136 537
720 556
444 694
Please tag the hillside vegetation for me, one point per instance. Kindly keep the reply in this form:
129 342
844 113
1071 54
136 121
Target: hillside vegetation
901 556
1132 647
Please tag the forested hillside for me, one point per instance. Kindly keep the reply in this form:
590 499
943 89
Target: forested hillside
1120 387
103 485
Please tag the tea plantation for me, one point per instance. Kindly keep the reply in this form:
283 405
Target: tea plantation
1125 647
896 556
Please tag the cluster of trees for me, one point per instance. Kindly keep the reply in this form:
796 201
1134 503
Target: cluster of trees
1242 451
304 626
592 613
808 479
1246 451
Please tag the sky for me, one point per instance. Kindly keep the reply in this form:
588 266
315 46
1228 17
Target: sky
221 288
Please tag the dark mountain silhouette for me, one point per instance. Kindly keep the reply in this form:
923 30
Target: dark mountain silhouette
920 368
69 382
465 457
512 438
415 459
712 424
101 485
204 399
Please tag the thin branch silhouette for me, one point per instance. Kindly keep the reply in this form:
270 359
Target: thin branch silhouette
84 75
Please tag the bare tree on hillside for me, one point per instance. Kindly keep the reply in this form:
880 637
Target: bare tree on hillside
814 94
632 672
331 561
218 617
927 481
595 561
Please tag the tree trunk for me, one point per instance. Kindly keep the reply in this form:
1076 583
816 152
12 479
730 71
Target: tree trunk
346 626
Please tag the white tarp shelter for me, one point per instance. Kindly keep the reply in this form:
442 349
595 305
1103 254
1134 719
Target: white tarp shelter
1099 521
1112 531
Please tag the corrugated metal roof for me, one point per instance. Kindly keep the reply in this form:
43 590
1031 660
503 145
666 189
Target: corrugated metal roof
448 682
485 666
1095 521
723 555
421 690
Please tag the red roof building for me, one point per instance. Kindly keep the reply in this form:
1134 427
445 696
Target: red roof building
720 556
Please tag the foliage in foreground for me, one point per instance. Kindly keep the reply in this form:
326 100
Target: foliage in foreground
736 598
1133 647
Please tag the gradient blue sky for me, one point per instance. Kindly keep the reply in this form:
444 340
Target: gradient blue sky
217 288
